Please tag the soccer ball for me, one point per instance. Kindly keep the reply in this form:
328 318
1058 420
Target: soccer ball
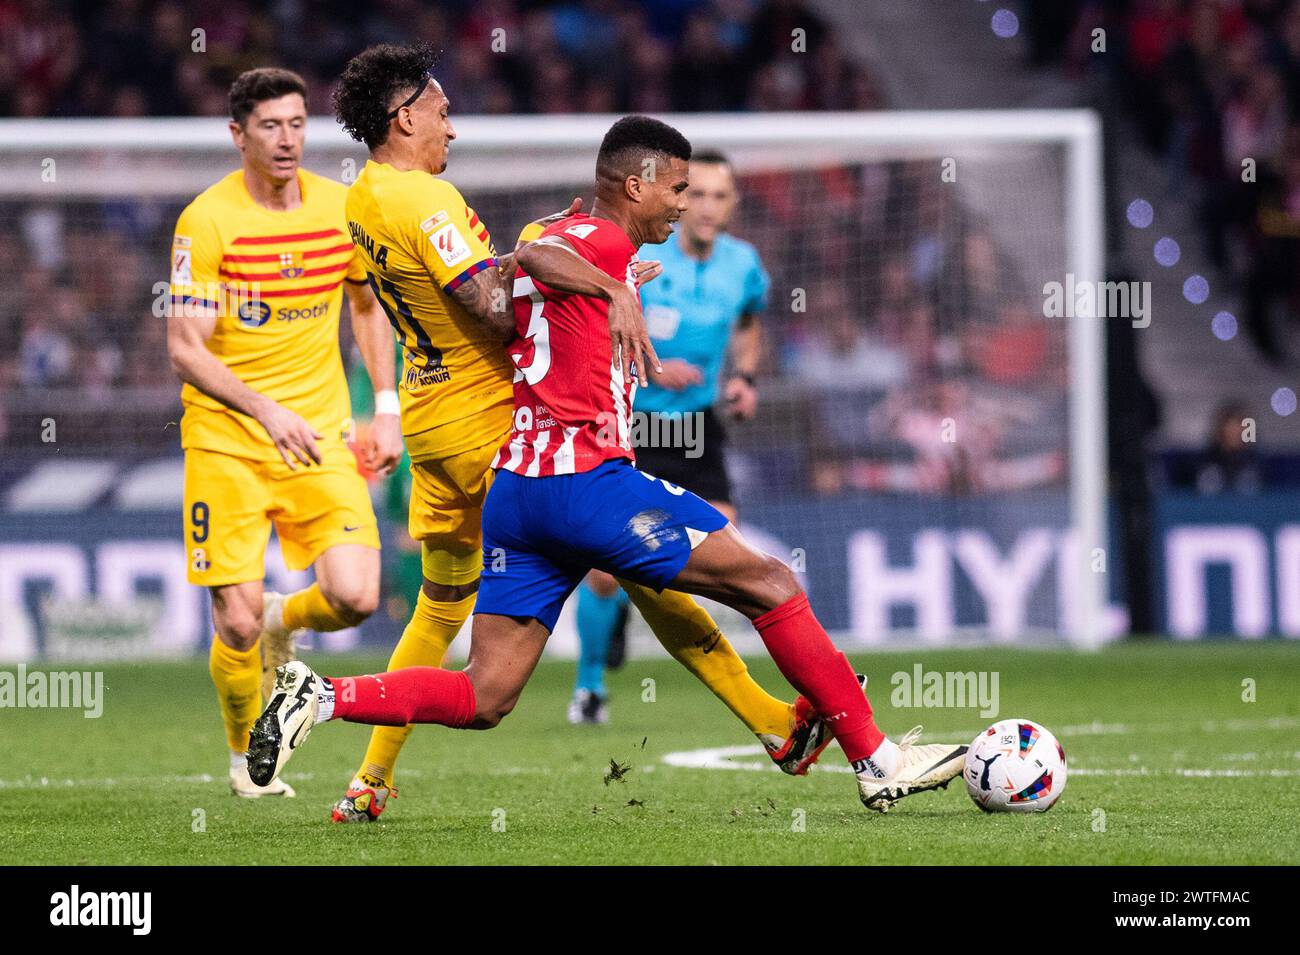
1015 766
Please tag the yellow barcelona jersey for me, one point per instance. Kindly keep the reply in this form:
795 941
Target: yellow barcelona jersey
274 280
419 241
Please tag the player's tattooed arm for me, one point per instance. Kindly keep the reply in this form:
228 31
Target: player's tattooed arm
552 261
194 363
486 296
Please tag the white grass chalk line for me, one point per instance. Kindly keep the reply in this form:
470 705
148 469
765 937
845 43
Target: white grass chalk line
198 779
727 757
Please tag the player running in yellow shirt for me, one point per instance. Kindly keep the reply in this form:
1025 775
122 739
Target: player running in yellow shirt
432 265
260 264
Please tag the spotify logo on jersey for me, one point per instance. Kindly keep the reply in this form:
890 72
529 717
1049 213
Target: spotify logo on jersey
254 314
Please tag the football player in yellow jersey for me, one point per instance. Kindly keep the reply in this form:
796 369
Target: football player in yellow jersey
261 262
447 294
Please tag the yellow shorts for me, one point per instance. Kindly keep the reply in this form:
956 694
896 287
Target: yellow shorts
446 514
231 503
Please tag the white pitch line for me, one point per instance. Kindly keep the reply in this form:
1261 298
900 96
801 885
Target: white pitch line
1095 729
206 779
724 757
200 779
1098 728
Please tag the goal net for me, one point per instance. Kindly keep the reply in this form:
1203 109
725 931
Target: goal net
928 451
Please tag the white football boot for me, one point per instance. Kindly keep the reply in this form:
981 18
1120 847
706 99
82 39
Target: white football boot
285 723
276 642
917 769
241 785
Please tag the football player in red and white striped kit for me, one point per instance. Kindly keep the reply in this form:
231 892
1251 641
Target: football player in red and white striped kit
567 497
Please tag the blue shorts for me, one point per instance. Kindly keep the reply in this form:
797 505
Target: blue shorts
542 534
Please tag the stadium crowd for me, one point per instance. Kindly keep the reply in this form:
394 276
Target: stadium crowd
905 315
1214 88
146 57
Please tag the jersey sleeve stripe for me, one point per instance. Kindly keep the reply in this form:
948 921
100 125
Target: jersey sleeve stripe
193 301
469 273
292 237
275 256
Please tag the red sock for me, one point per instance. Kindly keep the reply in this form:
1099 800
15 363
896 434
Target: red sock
810 661
410 695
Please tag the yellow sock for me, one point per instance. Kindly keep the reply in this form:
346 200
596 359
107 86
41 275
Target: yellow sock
433 626
237 675
688 632
309 608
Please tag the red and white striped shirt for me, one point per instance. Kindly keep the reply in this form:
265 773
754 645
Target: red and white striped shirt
572 409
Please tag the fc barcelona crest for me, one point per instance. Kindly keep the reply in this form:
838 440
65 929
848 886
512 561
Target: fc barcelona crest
291 265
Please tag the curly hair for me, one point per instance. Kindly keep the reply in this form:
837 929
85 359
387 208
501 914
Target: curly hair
369 83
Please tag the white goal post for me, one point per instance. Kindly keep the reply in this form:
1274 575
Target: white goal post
1030 181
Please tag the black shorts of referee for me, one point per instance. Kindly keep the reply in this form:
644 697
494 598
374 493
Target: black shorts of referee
698 464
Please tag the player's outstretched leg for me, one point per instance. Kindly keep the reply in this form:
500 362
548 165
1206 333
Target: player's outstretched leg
726 568
503 652
439 613
792 733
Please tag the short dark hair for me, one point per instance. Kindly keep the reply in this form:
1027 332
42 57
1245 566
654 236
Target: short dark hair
631 139
711 157
257 86
370 81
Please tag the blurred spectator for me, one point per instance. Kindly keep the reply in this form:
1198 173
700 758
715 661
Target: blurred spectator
843 356
1228 462
1019 349
46 350
706 75
1273 289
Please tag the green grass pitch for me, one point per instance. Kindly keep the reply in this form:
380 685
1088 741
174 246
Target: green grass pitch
1169 765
